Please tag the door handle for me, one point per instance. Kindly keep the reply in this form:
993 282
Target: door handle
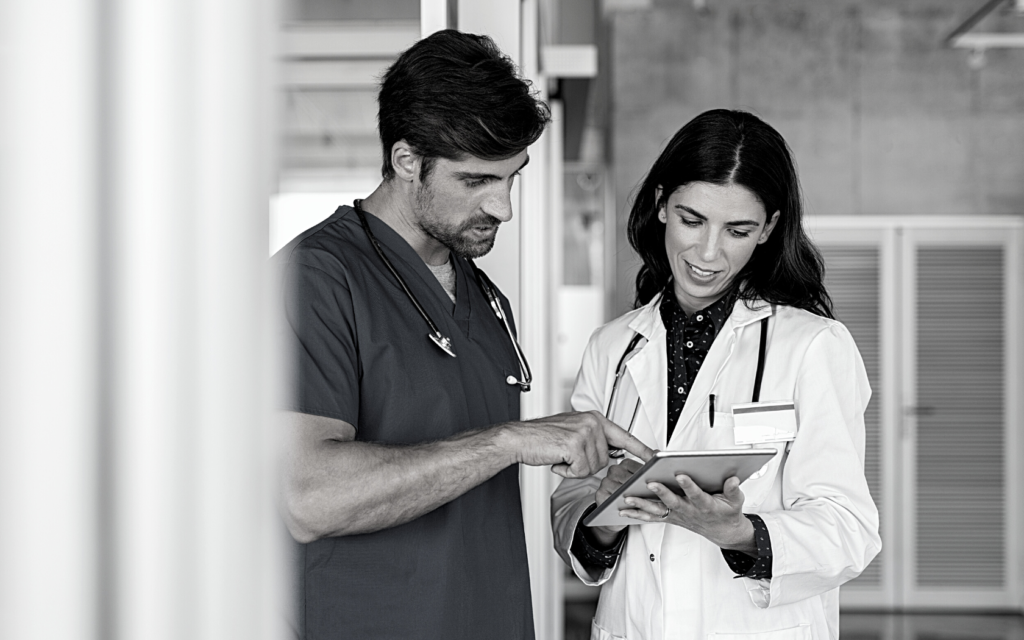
910 414
919 411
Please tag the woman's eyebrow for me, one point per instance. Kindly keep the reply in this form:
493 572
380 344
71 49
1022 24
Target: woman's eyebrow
731 223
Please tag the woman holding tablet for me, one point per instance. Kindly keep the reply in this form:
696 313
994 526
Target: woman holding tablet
732 346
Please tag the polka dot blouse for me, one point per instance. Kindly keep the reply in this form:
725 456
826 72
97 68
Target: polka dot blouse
688 342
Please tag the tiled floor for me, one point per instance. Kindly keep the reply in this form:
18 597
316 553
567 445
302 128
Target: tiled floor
868 626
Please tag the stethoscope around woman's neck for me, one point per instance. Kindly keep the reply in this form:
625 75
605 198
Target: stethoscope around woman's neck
631 349
435 335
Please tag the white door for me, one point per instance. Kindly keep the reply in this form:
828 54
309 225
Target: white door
961 386
934 305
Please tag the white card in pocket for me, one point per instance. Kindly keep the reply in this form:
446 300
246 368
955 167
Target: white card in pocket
758 422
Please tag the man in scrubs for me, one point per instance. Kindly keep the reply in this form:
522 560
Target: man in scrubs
401 478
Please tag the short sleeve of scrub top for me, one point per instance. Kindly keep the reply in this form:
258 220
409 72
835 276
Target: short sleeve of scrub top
321 316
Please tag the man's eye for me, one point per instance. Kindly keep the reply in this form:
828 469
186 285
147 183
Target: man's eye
475 183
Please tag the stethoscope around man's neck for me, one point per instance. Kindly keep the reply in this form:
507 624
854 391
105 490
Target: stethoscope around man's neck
435 335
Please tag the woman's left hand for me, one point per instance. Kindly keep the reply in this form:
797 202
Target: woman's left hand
718 517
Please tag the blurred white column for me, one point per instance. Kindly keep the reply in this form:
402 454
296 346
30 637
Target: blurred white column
192 132
48 320
135 459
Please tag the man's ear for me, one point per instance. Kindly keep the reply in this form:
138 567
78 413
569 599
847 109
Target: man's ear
405 161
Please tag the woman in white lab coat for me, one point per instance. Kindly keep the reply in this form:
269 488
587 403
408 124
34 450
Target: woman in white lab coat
717 223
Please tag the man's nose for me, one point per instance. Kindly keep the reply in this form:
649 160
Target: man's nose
499 205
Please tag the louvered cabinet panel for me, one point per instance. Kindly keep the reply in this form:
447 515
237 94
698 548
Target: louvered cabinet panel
860 267
853 279
961 500
961 423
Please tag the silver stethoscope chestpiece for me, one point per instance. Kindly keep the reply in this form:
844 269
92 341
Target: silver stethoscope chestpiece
443 342
511 380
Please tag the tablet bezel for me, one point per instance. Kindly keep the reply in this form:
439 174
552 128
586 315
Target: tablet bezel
709 469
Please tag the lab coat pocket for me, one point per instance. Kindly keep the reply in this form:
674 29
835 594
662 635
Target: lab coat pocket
715 431
800 632
597 633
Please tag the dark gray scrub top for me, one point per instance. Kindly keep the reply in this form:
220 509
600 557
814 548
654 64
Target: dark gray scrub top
360 353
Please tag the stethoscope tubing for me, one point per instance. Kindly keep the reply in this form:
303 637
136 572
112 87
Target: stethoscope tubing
620 370
488 288
438 338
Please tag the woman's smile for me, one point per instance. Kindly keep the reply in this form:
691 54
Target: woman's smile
701 274
711 232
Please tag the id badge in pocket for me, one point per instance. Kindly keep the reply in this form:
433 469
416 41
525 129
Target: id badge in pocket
760 422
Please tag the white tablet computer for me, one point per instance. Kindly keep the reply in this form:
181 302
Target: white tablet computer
709 469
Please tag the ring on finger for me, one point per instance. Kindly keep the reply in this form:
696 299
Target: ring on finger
665 515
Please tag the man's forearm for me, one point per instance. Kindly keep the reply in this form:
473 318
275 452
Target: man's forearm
352 487
335 486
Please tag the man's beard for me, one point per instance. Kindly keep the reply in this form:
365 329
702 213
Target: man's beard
455 237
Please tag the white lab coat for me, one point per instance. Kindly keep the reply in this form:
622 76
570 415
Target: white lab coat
670 583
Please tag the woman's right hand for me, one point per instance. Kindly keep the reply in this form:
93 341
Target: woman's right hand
617 475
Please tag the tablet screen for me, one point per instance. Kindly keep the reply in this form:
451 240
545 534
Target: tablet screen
709 469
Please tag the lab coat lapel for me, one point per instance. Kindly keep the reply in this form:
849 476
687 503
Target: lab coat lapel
649 371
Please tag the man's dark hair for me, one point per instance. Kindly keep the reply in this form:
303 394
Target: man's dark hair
726 147
455 94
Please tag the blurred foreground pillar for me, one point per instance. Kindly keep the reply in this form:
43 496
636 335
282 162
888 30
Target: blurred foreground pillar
135 454
49 391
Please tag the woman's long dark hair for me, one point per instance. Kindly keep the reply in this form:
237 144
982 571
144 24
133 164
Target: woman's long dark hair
726 147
